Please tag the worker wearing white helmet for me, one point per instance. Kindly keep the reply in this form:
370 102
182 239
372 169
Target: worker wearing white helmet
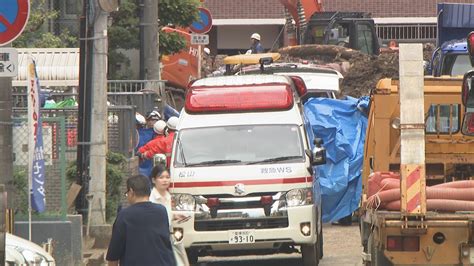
256 47
160 127
152 117
161 145
172 123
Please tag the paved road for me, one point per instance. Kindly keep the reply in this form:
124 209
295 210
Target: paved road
341 247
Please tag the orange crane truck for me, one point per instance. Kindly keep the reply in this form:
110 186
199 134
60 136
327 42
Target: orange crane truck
425 215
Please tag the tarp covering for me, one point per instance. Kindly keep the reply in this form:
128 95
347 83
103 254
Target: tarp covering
341 124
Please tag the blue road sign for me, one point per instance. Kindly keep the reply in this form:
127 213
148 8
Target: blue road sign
204 24
13 17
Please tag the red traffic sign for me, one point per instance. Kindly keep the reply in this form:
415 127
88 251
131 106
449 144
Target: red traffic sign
204 23
13 18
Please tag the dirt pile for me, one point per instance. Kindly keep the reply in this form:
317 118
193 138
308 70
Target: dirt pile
361 72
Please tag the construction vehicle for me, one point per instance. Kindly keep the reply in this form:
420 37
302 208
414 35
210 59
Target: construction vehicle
416 130
312 25
451 55
179 69
354 30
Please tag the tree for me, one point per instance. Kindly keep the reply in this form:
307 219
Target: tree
180 13
36 34
125 30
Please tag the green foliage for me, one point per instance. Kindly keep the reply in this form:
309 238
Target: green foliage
115 169
180 13
20 182
36 34
125 30
171 43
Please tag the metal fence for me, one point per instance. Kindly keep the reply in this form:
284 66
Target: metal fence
407 32
54 141
120 125
142 101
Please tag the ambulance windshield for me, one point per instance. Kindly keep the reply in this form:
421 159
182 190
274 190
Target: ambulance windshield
239 145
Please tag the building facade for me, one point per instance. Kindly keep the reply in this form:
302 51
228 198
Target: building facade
400 20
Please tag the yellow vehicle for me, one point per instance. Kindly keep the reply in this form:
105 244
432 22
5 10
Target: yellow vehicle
431 237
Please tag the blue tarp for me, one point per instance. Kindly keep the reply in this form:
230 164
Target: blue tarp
341 124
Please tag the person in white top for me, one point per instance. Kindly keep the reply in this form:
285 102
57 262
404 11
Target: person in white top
160 178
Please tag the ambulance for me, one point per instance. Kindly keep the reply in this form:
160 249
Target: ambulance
242 169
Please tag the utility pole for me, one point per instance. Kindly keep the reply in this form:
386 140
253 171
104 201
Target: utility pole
6 139
98 145
150 40
84 108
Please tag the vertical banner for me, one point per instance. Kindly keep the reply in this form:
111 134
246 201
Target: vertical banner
36 171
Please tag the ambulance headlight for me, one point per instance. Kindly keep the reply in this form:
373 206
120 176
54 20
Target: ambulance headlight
298 197
184 202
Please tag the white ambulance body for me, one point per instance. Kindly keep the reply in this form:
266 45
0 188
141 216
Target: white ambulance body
242 169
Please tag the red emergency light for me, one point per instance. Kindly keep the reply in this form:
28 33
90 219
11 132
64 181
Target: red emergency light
470 46
262 97
300 85
468 124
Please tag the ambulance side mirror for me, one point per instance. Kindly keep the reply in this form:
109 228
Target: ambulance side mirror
318 153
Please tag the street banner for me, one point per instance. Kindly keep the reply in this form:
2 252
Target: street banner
36 170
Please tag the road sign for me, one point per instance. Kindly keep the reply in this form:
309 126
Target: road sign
199 39
204 23
13 17
8 62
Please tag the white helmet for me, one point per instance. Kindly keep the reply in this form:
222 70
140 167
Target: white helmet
159 127
155 115
140 119
255 36
172 123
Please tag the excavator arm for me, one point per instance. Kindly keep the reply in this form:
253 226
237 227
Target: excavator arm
299 11
298 8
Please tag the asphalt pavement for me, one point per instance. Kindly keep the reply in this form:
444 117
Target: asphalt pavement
341 247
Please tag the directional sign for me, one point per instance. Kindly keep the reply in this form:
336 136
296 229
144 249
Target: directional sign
199 39
204 23
13 17
8 62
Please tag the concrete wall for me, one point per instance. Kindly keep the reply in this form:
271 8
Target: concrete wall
66 237
238 37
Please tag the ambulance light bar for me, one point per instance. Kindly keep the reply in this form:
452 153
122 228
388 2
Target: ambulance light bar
251 98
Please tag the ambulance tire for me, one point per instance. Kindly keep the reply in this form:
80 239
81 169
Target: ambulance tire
310 254
192 256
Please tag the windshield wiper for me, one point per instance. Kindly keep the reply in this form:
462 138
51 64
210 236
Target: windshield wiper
276 159
214 162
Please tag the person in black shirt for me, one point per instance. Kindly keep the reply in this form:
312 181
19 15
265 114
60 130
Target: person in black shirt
140 235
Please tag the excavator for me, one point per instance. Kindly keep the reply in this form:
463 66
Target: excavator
307 23
179 69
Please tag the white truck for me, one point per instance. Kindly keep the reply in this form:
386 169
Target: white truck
242 169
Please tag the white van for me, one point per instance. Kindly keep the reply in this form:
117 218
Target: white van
19 251
320 81
242 169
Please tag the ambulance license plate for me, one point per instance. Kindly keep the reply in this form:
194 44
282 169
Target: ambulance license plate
241 237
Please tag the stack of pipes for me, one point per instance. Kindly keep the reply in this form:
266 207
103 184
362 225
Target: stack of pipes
384 193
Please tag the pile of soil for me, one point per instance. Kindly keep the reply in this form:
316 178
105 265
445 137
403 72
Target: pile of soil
361 71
